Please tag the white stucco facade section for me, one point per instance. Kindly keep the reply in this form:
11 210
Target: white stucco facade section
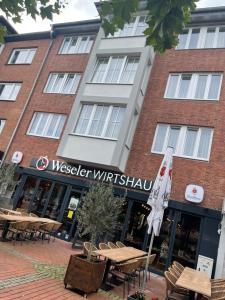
109 90
122 42
79 148
220 263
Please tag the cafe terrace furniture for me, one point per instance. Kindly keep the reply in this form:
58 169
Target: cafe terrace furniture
18 229
112 245
103 246
195 281
118 255
84 275
126 272
120 244
178 266
19 218
10 211
172 290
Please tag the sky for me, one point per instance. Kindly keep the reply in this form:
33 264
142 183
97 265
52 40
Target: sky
77 10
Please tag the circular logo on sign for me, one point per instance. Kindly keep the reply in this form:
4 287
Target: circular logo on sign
42 163
194 191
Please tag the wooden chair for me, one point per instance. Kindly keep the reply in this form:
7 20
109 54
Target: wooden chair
112 245
126 272
32 229
171 285
18 229
179 266
55 230
176 269
218 295
103 246
33 215
89 247
141 267
174 272
2 222
120 244
45 231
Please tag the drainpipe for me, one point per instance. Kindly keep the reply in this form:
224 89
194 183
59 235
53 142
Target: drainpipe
28 99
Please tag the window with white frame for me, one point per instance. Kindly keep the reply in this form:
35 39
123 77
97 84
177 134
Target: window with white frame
187 141
204 37
76 44
9 91
22 56
48 125
201 86
2 124
136 27
62 83
102 121
115 69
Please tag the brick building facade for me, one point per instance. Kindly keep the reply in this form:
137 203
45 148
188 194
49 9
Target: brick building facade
175 99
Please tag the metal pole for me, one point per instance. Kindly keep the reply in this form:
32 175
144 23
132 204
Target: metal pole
147 263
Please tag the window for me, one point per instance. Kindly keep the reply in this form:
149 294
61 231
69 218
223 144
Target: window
47 125
9 91
2 124
100 121
136 27
62 83
22 56
76 44
115 69
194 86
187 141
204 37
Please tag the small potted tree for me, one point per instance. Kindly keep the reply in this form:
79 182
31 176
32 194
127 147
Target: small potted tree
7 183
98 219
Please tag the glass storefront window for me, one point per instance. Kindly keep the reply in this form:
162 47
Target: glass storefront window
137 225
55 201
162 242
186 240
27 193
41 197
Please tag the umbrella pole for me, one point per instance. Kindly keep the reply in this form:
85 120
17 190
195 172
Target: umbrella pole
147 262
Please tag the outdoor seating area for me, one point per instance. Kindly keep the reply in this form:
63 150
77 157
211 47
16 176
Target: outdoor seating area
32 271
186 283
123 265
21 226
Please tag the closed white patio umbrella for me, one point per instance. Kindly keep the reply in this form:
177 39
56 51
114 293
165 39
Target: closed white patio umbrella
158 200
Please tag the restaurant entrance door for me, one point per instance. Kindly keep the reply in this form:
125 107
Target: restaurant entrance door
69 215
178 240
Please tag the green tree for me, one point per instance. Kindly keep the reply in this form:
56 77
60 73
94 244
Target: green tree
166 19
7 173
99 213
15 8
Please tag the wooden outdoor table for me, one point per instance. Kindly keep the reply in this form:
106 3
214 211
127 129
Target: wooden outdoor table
14 212
26 218
17 218
117 255
195 281
121 254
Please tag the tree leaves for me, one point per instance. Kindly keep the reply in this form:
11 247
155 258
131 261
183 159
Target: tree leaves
166 19
98 215
43 8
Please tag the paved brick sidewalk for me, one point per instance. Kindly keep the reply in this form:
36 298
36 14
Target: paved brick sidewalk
36 271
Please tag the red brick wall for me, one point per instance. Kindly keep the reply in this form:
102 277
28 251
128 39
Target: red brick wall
10 110
156 109
32 146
